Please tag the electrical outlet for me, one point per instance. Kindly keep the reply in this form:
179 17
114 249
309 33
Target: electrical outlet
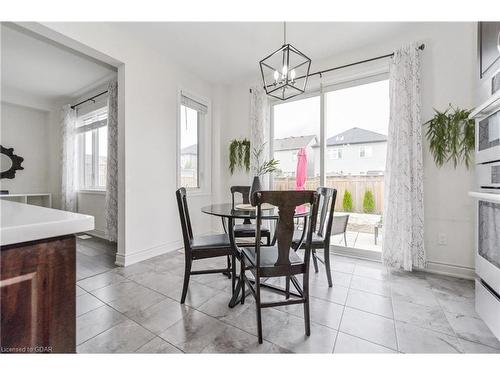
442 240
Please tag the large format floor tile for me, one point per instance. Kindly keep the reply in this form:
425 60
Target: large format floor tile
374 328
472 329
422 316
349 344
412 339
370 302
125 337
368 310
95 322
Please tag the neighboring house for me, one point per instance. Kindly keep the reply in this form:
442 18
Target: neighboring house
354 152
285 150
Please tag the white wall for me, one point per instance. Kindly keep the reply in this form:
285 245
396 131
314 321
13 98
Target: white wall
27 131
148 98
448 76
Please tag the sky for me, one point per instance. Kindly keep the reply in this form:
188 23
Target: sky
365 106
189 127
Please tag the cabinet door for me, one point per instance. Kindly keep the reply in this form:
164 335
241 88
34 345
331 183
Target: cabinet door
38 296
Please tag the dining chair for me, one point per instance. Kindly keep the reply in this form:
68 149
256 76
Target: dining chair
246 229
202 247
340 226
321 233
279 260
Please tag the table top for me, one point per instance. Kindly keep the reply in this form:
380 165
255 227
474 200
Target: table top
226 210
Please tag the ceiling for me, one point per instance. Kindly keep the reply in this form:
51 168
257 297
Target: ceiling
43 69
226 51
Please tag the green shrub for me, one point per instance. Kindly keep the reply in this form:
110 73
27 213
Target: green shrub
368 202
347 201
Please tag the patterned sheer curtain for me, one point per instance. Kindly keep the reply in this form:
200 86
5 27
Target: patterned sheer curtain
111 202
69 173
259 127
404 196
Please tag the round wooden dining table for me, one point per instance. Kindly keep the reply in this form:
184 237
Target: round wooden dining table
228 212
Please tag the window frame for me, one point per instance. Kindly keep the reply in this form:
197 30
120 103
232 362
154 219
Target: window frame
81 141
341 82
204 149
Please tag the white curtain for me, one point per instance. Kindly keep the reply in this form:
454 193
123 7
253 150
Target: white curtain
259 126
111 202
69 173
403 220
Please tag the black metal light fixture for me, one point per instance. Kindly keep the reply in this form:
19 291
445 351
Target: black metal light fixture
285 71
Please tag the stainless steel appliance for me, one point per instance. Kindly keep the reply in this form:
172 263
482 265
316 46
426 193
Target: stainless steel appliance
487 195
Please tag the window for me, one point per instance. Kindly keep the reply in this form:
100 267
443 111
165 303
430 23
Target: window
92 141
334 153
192 116
365 152
352 117
296 125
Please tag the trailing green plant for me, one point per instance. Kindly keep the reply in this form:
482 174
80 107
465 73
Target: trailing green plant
451 136
239 155
347 201
368 202
263 166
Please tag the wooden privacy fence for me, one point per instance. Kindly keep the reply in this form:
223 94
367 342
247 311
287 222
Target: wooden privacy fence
357 185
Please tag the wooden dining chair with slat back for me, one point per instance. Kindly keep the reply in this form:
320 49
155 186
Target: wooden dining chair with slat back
279 260
202 247
323 231
247 229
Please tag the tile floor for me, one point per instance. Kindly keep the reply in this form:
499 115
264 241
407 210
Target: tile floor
369 310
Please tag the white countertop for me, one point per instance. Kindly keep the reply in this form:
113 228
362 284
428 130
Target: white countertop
24 222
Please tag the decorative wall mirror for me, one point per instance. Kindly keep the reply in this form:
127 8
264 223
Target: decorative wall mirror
9 162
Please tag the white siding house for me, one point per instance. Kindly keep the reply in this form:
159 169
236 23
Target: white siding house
286 149
354 152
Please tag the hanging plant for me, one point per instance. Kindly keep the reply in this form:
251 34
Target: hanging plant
239 155
451 136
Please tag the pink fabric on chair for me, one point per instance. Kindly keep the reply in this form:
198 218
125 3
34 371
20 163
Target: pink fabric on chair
301 174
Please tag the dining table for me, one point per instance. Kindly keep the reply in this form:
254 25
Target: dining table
229 213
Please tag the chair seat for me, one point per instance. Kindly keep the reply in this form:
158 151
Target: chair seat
269 256
248 229
317 240
213 241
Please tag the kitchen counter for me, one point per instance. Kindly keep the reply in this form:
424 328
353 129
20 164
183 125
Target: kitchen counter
38 278
23 222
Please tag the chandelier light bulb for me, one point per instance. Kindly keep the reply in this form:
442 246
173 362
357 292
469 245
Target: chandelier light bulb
276 75
292 74
284 71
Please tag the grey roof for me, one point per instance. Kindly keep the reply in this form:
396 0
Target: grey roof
190 150
356 135
293 143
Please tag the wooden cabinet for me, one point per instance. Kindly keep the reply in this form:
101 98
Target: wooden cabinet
37 285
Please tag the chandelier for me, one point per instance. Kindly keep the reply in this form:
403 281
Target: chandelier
285 71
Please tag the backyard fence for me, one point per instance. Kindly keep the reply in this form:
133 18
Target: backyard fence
356 185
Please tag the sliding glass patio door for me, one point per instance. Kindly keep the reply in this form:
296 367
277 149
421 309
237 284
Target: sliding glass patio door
343 132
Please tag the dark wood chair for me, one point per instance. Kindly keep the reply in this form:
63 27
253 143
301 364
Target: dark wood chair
279 260
247 229
321 233
202 247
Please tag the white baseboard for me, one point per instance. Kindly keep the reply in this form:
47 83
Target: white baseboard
97 233
446 269
128 259
139 256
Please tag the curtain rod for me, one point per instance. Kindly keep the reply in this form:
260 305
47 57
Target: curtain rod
420 47
88 100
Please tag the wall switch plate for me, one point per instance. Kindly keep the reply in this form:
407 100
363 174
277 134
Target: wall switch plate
442 240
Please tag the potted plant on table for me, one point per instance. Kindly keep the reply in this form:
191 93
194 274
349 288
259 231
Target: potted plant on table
260 168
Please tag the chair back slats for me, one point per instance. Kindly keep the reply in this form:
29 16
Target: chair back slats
245 192
286 203
328 196
187 231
